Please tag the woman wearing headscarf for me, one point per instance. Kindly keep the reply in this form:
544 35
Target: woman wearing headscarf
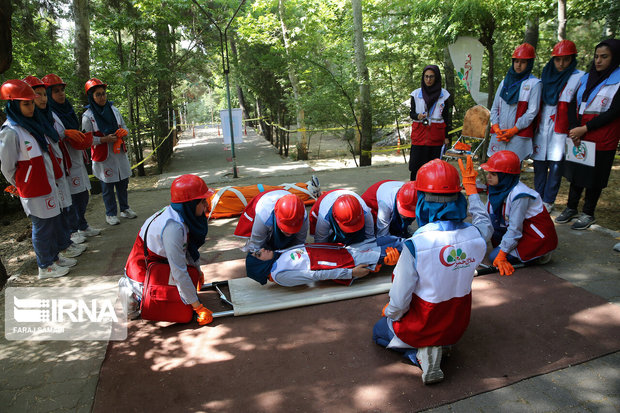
598 117
28 163
559 79
430 111
516 105
109 152
430 297
165 262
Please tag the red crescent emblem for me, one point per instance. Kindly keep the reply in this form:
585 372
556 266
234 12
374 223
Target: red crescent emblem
108 172
76 181
50 203
441 254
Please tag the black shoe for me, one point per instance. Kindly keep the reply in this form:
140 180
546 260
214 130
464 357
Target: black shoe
583 222
566 215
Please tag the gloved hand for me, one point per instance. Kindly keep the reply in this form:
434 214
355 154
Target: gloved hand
501 263
507 134
377 268
74 135
205 316
12 190
495 128
117 145
391 257
121 133
469 175
383 311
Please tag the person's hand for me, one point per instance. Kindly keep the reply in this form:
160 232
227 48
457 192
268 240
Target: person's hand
360 271
12 190
121 133
509 133
577 133
74 135
205 316
495 128
469 175
391 256
501 263
421 116
117 145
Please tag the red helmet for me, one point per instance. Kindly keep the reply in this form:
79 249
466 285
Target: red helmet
53 80
189 187
503 161
564 48
524 51
438 177
91 83
348 213
406 200
34 81
290 212
16 89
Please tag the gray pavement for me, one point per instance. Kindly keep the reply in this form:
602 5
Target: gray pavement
62 375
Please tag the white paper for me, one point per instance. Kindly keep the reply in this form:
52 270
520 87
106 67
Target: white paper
237 125
584 153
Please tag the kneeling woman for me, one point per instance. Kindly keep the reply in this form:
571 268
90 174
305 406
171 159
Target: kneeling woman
523 230
163 269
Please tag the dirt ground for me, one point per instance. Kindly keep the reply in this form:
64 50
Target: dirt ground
15 229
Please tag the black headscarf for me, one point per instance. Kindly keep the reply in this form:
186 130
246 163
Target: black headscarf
512 82
64 111
594 77
431 93
198 225
104 116
554 81
32 125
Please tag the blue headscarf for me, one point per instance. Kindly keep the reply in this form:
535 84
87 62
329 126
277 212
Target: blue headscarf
44 116
198 225
399 224
554 81
257 269
64 111
498 194
427 211
512 82
278 240
341 237
33 125
104 116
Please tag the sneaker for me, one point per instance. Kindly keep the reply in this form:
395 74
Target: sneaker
548 206
53 271
77 238
314 187
566 215
128 213
65 262
112 220
89 232
583 222
545 259
429 359
74 250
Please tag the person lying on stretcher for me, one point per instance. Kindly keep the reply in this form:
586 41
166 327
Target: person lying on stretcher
307 263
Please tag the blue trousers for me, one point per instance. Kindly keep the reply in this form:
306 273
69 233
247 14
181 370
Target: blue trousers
44 240
80 201
547 179
63 228
382 335
109 200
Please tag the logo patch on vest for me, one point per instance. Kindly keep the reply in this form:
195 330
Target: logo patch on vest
451 256
295 255
28 145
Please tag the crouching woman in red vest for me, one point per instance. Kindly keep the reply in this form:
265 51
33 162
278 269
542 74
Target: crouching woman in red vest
163 268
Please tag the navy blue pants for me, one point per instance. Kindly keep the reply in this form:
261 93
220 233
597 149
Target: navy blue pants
547 179
382 335
44 240
109 200
80 202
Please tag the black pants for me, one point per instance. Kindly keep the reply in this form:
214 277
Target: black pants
419 155
590 200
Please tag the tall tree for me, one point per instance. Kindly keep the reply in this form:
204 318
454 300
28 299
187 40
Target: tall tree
365 128
561 19
531 31
82 44
6 45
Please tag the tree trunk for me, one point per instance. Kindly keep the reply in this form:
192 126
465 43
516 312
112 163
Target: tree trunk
531 31
362 73
561 20
450 86
302 145
162 35
6 43
82 44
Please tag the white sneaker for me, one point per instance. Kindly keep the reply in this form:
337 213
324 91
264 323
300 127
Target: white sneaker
112 220
65 262
77 238
128 213
89 232
74 250
545 258
53 271
430 362
548 206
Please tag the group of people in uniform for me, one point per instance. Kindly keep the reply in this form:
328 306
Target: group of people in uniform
44 153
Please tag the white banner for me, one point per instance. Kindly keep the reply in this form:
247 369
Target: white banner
583 154
237 125
466 54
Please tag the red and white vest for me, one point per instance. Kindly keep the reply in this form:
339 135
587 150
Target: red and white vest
99 152
77 176
539 236
599 101
381 198
434 133
261 206
445 261
318 213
